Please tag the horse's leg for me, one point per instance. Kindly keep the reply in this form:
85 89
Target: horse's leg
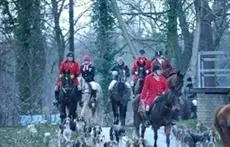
72 114
62 112
115 111
155 137
136 124
167 133
143 128
123 109
85 102
141 85
72 109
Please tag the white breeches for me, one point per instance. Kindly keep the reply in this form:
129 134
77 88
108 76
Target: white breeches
113 82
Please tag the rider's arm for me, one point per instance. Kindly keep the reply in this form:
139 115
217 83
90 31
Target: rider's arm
147 65
145 90
93 71
81 68
61 67
76 69
127 73
134 67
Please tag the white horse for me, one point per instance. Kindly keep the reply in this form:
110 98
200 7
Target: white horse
91 104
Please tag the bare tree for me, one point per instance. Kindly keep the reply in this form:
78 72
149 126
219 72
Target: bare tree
123 27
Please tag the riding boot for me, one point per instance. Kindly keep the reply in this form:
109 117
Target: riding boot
80 98
147 122
56 93
133 89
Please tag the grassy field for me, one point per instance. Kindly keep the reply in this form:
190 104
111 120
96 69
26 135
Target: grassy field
22 137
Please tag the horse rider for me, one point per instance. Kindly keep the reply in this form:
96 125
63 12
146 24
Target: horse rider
119 70
165 64
88 72
72 67
155 85
140 63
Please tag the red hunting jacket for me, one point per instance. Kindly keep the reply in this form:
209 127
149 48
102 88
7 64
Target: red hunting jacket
165 65
73 68
135 66
152 88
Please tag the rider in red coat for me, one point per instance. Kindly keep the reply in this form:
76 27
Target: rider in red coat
138 63
155 85
164 63
72 67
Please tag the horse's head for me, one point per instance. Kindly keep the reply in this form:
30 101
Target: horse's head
121 76
176 82
66 80
67 84
141 72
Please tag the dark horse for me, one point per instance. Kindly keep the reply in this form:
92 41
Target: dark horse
119 96
161 111
222 124
68 97
141 78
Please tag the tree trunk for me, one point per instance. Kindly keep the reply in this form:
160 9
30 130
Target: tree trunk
71 26
203 40
187 38
192 70
172 47
59 38
123 27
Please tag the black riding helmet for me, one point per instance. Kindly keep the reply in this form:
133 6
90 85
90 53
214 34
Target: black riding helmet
158 53
142 52
70 54
156 67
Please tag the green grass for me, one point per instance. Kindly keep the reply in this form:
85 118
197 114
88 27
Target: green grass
21 137
191 123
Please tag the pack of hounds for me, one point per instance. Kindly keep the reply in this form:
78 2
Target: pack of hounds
92 136
199 137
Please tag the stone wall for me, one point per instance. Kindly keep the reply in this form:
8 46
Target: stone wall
207 105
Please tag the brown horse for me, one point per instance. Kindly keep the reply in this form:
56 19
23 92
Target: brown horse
222 124
161 111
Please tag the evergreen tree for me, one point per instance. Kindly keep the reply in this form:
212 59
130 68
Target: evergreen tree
30 55
103 23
